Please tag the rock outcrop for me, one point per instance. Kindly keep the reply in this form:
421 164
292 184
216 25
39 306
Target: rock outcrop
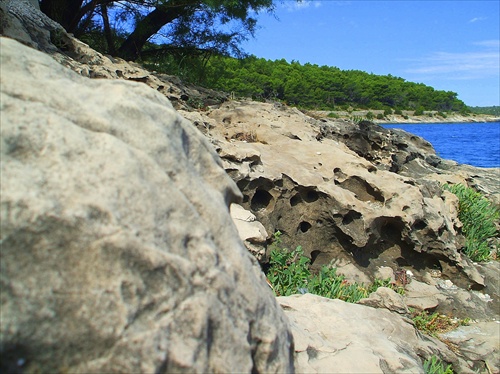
336 337
332 197
118 246
118 250
332 336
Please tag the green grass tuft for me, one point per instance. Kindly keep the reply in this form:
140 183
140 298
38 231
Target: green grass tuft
289 274
434 365
478 216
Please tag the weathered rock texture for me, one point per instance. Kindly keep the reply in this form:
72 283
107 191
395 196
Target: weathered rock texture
118 250
338 206
332 336
362 198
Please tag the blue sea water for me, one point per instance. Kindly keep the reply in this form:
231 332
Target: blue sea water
476 144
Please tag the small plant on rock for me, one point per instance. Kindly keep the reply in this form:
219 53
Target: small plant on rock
478 216
433 324
434 365
289 274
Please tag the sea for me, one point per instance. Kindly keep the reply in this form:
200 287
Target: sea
476 144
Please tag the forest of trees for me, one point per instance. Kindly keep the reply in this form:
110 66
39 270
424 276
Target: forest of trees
311 86
124 28
199 40
491 110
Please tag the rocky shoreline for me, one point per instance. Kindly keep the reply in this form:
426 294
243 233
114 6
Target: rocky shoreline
137 213
407 117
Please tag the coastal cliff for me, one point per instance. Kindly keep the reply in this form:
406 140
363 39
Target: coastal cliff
119 252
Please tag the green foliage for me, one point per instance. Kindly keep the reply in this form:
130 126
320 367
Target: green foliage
289 274
320 87
356 119
433 324
434 365
160 26
419 112
478 216
491 110
370 116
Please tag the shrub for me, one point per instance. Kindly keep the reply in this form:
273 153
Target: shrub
370 116
478 216
434 365
419 112
441 114
399 112
289 274
380 116
433 324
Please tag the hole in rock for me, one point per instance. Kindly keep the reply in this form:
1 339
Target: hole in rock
351 216
311 196
314 256
260 200
362 189
295 200
304 226
419 225
400 261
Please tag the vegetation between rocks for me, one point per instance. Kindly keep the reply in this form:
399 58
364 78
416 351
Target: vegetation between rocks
478 216
289 274
433 324
434 365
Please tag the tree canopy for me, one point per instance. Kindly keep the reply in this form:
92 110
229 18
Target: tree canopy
128 25
323 87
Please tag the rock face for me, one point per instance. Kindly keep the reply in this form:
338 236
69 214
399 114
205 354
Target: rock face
338 206
118 250
117 238
332 336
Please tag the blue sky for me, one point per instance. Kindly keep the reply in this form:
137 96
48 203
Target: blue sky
449 45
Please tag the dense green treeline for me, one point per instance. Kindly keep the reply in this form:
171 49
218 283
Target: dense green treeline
312 86
323 87
492 110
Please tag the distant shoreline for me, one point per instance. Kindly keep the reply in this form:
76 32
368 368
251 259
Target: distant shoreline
407 117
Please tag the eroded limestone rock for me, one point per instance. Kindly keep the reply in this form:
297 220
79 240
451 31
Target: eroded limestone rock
118 250
332 336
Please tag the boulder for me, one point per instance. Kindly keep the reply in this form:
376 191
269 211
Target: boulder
387 298
332 336
118 250
252 232
322 195
478 343
421 296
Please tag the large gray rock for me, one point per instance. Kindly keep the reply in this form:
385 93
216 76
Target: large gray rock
118 250
332 336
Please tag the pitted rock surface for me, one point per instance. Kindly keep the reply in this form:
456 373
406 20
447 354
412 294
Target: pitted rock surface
118 250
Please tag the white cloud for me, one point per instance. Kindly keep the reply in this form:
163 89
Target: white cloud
464 65
476 19
489 43
300 4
